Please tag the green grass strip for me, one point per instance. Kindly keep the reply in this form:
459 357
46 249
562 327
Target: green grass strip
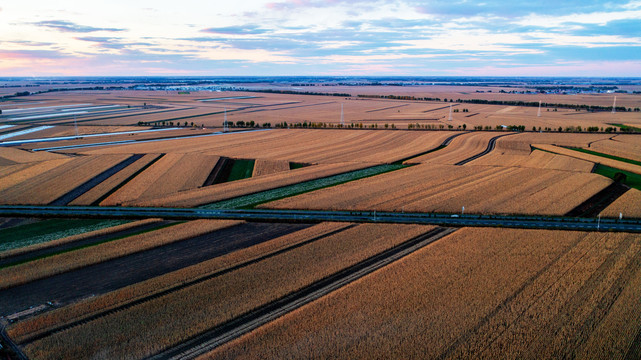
631 179
617 158
242 169
295 165
90 245
627 127
51 229
252 200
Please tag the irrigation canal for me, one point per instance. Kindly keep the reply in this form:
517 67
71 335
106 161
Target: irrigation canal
456 220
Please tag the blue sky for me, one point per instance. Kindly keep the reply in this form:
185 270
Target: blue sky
314 37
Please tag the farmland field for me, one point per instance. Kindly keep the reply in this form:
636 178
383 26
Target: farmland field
277 276
447 188
289 283
476 293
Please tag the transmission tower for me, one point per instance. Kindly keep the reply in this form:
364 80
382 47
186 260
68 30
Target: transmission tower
225 124
614 105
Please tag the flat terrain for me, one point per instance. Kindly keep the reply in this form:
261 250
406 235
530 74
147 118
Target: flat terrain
475 293
342 279
110 275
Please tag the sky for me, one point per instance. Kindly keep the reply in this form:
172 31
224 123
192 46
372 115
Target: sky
320 37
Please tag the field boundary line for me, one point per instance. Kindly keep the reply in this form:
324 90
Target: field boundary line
490 147
175 288
243 324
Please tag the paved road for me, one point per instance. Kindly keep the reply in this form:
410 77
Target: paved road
528 222
490 146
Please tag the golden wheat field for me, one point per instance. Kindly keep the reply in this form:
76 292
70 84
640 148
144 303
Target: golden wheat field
589 157
182 314
448 188
143 286
45 187
266 167
628 205
477 293
155 285
306 146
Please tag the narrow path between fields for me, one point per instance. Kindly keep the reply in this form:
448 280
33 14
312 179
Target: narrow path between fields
243 324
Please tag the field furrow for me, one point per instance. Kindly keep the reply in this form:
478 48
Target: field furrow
195 309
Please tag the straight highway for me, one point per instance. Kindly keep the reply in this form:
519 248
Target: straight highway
456 220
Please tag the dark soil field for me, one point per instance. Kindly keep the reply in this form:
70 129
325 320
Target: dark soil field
110 275
38 253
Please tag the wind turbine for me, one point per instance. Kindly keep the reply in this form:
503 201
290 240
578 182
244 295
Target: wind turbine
539 113
450 118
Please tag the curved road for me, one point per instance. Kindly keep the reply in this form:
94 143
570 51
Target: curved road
490 146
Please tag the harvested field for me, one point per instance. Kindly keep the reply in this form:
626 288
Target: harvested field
210 194
266 167
536 159
306 146
478 293
57 181
101 190
447 188
629 204
625 146
21 156
171 174
286 191
589 157
197 308
42 268
461 148
16 174
192 274
519 144
140 266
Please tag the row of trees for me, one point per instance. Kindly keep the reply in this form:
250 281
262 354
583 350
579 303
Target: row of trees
320 125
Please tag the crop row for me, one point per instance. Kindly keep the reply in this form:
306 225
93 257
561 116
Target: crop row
461 148
171 319
479 293
590 157
447 188
171 174
286 191
307 146
52 184
169 281
210 194
48 266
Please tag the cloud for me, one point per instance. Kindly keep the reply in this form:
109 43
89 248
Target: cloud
68 26
236 30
